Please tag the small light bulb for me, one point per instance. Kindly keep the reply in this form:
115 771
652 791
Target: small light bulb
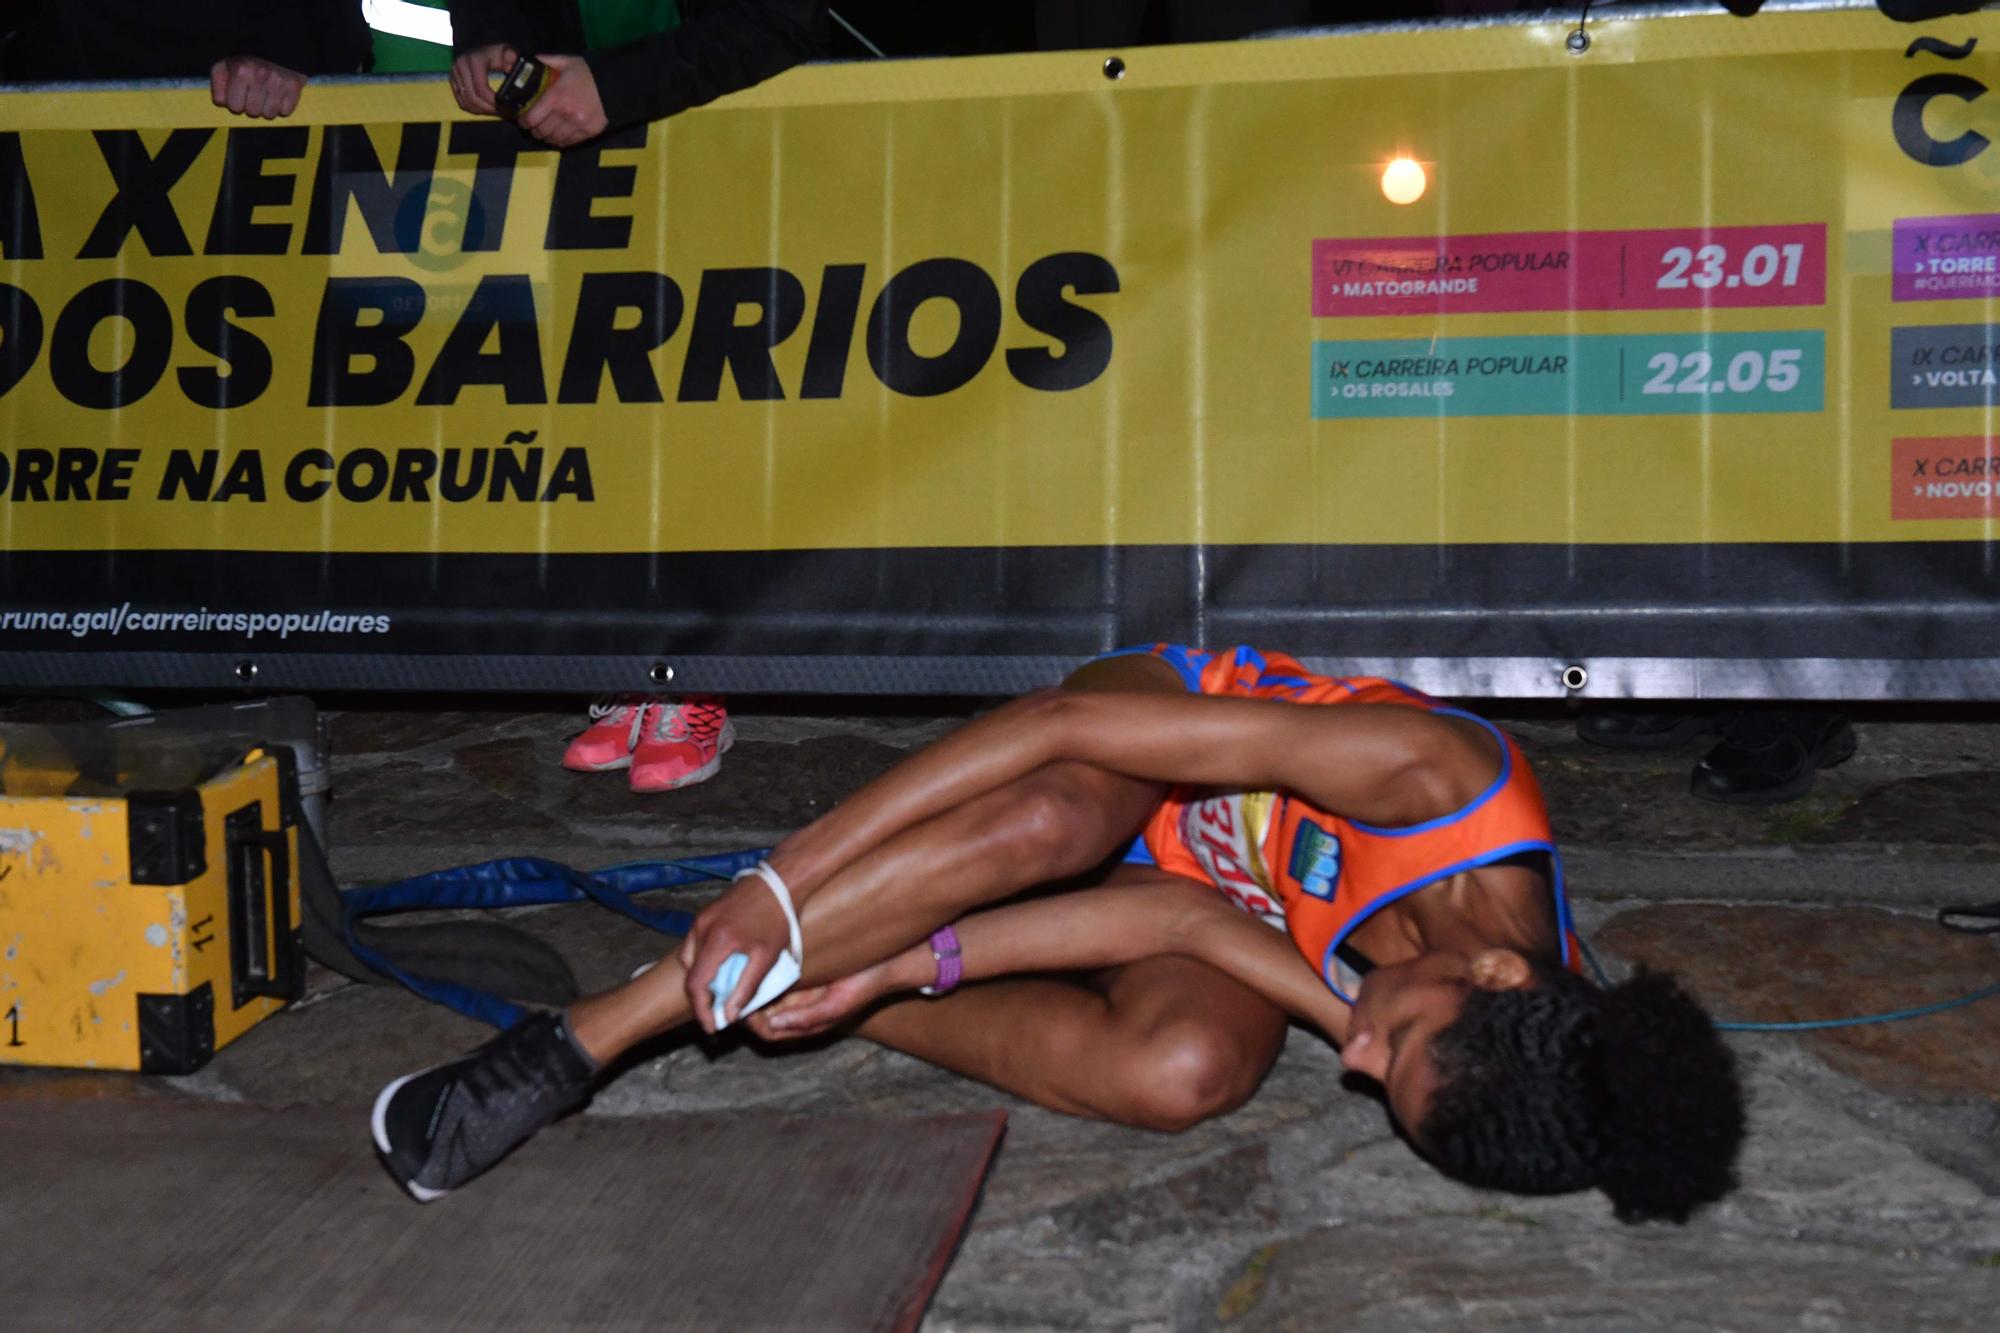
1403 181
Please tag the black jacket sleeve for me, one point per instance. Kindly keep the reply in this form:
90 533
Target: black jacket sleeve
550 27
316 37
723 46
142 39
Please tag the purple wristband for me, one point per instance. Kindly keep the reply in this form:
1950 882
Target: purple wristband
950 968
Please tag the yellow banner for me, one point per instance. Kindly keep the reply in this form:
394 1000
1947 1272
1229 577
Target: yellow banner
1706 281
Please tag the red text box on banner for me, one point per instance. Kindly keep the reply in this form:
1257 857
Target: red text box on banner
1664 268
1945 478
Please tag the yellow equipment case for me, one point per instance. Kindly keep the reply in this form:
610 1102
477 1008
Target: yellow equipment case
149 913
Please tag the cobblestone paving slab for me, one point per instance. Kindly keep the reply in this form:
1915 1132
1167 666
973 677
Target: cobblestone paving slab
1786 964
1501 1272
1959 809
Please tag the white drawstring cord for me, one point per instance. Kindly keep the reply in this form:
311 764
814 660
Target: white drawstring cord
783 893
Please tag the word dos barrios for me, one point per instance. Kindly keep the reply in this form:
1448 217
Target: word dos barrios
364 353
367 346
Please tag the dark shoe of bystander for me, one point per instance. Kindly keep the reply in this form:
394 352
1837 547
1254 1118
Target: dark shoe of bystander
1769 755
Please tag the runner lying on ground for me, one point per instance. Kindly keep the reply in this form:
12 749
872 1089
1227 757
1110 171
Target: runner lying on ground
1402 845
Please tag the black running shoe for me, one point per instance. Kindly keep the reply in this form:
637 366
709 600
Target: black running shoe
442 1126
1771 755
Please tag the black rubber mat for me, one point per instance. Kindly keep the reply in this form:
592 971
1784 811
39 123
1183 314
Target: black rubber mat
157 1214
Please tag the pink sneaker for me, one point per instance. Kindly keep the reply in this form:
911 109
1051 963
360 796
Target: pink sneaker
614 730
681 744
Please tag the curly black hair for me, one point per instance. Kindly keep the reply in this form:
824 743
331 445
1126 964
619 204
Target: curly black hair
1562 1086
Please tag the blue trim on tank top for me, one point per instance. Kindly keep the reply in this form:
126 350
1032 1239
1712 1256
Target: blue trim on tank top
1564 924
1446 821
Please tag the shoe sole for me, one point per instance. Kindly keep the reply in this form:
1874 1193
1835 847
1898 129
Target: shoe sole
702 774
378 1126
609 766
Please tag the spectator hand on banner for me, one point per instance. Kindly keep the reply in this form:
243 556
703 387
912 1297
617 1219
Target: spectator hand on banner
472 77
253 86
569 110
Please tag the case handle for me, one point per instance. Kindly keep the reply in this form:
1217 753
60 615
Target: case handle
263 958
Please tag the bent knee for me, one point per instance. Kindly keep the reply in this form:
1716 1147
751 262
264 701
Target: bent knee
1059 826
1190 1072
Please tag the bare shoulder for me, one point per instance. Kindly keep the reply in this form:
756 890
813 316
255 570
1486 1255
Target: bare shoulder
1393 764
1474 748
1126 672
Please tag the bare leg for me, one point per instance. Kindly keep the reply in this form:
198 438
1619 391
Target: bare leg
1161 1044
1058 822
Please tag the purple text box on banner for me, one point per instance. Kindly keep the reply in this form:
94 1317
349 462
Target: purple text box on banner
1946 259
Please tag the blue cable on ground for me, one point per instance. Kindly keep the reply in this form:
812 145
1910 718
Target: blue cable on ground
1892 1016
1817 1024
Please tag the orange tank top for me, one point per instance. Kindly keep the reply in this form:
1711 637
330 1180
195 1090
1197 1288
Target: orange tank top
1317 875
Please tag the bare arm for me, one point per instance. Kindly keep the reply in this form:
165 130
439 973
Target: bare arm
1083 930
1378 763
1007 743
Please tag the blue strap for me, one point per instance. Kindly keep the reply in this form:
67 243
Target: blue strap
481 1006
525 881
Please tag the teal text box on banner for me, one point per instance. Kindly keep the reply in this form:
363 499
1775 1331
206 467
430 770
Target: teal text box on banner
1619 374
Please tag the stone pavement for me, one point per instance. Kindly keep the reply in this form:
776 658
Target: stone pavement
1870 1187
